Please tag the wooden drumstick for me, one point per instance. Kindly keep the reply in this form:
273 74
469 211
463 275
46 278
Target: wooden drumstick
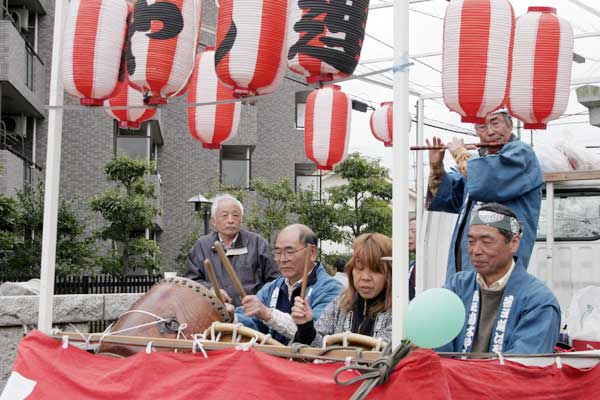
305 275
229 269
213 279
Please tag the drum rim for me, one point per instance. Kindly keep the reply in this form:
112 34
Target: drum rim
203 291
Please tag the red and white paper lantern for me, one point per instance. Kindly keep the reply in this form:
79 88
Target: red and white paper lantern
327 126
325 40
251 48
382 123
163 37
130 118
211 124
542 61
478 37
93 39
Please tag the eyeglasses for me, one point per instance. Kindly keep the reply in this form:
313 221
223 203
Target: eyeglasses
288 253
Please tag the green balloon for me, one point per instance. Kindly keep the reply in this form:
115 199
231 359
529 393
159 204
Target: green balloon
434 318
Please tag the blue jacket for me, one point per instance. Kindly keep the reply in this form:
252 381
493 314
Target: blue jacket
512 177
321 289
528 319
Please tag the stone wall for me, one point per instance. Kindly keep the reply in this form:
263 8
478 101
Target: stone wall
19 314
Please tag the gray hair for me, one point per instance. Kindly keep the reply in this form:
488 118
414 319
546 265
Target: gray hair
224 197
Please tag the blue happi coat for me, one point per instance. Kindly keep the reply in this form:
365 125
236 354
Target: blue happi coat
528 319
512 177
321 289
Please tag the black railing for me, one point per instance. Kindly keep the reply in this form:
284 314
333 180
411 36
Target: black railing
99 284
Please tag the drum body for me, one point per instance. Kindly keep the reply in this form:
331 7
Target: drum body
237 333
163 310
349 339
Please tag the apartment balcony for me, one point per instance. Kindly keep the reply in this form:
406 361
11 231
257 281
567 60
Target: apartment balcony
16 171
22 74
37 6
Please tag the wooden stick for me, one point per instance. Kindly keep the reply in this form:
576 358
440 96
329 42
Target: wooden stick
286 352
469 146
305 274
213 279
229 269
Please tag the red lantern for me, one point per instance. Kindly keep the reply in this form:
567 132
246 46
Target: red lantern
215 123
382 123
542 61
327 126
478 37
93 38
163 37
325 38
131 118
251 48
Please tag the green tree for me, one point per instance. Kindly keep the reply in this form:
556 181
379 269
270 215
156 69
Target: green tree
320 215
273 209
129 210
21 227
362 204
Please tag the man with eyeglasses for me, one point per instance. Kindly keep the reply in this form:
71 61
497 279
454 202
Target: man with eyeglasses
508 174
269 310
248 252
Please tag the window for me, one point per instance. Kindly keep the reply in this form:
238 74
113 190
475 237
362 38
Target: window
301 108
307 178
235 166
576 216
133 144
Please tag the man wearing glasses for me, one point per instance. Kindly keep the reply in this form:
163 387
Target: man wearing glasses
508 174
269 310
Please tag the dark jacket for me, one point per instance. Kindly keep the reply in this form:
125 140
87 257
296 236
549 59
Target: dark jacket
250 256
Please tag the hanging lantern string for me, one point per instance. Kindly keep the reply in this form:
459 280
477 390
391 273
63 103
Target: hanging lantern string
147 107
394 68
243 99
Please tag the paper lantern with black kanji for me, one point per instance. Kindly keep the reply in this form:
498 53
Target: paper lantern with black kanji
163 37
327 126
127 96
251 48
542 60
211 124
382 123
325 39
93 38
478 37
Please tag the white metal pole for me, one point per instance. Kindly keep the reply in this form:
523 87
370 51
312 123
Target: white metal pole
400 173
550 235
419 259
55 120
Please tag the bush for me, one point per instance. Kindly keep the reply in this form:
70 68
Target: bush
21 227
128 210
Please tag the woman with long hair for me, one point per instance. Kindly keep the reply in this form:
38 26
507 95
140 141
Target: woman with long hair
365 307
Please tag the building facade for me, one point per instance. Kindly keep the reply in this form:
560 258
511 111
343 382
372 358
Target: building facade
268 145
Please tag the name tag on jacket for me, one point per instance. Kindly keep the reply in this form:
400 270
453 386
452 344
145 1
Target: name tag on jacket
237 251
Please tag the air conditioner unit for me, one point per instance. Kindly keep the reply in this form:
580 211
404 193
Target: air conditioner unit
14 125
21 17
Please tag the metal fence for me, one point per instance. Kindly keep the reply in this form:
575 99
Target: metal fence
99 284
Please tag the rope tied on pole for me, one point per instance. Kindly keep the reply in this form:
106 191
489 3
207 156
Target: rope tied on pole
377 373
